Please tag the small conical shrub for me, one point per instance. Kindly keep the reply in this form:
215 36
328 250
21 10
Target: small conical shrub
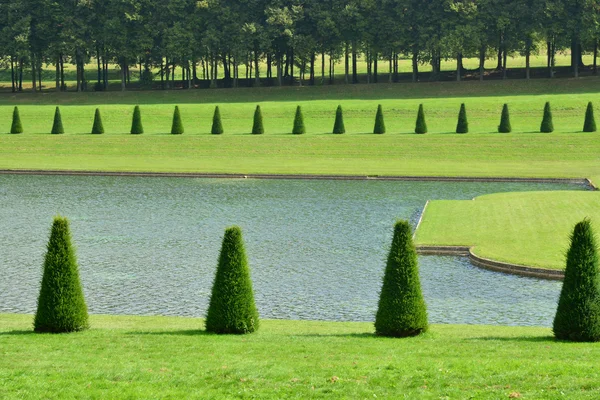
338 126
257 125
217 126
590 122
504 126
177 126
61 305
421 125
232 308
463 125
57 126
379 122
299 128
578 314
97 128
547 125
401 311
136 123
16 126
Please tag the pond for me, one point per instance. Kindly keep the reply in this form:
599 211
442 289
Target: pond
317 249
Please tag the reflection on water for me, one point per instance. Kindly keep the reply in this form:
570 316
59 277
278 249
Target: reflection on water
317 249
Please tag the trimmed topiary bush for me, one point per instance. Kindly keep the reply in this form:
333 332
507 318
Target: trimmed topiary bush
379 122
217 126
463 125
16 126
338 126
136 123
97 128
578 314
57 126
504 126
421 125
590 122
61 305
232 308
299 128
401 311
257 125
177 126
547 125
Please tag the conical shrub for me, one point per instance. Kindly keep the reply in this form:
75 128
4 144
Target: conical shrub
299 128
177 126
379 122
547 125
98 127
217 125
338 126
463 125
61 305
232 308
401 311
257 125
57 126
136 122
421 125
578 314
590 122
504 126
16 126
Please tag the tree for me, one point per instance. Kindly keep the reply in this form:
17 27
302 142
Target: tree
578 314
232 308
463 125
257 126
57 126
421 125
379 122
217 126
61 304
504 126
547 125
177 126
338 126
16 126
299 128
590 122
401 311
136 123
98 127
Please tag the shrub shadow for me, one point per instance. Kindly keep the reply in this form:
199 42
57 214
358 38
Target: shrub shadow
17 333
531 339
189 332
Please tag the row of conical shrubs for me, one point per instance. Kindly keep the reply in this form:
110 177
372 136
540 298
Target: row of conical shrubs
401 310
462 125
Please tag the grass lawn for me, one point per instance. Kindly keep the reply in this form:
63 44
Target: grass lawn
529 228
158 357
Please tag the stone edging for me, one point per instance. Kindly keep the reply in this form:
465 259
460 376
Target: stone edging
492 265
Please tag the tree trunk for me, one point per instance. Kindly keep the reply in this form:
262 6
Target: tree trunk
21 62
458 66
415 66
331 76
12 74
575 57
322 67
63 87
595 57
391 68
527 61
346 64
279 70
99 67
256 69
162 73
354 62
375 78
312 68
504 56
33 75
124 74
269 66
58 74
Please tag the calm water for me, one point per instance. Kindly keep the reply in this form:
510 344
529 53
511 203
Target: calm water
317 249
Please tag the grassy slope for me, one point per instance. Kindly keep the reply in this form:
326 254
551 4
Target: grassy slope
524 228
149 357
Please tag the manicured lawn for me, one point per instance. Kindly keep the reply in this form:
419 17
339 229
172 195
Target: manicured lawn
524 228
156 357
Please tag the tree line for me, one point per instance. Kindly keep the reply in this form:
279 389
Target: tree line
277 40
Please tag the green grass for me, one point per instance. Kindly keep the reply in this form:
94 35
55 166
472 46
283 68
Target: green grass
529 228
158 357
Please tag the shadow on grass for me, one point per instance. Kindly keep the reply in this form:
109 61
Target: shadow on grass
18 333
190 332
531 339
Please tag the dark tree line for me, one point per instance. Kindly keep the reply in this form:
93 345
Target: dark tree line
277 40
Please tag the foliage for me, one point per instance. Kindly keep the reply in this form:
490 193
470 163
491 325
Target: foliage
217 125
177 126
98 127
504 126
299 128
57 125
590 122
338 126
463 125
136 122
16 126
379 122
257 123
421 125
547 125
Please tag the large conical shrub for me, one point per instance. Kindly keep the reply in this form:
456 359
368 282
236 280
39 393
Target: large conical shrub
217 125
232 308
98 127
257 125
61 305
299 128
462 125
578 314
379 122
402 311
136 122
590 122
338 126
421 125
547 125
504 126
177 126
57 125
16 126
